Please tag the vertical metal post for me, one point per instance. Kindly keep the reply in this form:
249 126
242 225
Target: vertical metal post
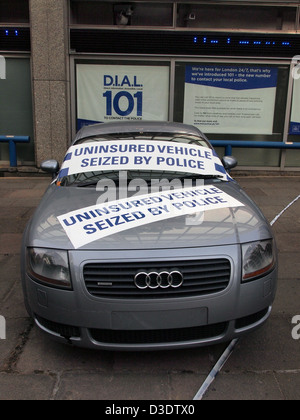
287 116
12 140
228 150
12 153
172 90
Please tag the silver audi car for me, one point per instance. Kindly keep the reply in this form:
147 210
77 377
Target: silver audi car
144 241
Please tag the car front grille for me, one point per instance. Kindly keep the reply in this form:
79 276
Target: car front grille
116 280
176 335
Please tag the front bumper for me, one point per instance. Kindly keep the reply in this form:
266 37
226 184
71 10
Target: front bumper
78 318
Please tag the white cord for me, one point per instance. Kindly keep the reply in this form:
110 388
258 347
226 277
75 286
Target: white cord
284 210
216 369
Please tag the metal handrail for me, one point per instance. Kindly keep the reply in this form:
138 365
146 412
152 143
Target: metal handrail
12 140
229 144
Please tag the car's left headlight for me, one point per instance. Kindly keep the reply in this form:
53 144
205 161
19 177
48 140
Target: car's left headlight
259 258
49 266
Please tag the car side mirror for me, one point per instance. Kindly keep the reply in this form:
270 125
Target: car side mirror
50 166
229 162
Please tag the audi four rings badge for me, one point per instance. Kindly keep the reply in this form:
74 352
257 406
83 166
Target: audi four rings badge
155 280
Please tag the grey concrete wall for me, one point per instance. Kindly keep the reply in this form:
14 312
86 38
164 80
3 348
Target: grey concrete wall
50 74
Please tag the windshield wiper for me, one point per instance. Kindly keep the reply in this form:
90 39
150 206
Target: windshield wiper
94 182
195 177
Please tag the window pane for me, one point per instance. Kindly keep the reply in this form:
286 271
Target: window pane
234 102
16 11
121 14
16 108
237 17
120 91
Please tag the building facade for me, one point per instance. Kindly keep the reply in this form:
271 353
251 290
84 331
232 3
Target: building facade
230 68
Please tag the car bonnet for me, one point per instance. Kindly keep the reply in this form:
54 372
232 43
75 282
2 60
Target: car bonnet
213 227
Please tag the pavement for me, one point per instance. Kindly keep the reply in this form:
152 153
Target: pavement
265 365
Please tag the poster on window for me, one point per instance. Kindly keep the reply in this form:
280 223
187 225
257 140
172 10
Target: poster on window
107 93
295 117
230 99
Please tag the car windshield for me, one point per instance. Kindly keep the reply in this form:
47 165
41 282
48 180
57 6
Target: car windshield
126 144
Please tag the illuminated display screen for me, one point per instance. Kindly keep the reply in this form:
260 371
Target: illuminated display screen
15 39
184 43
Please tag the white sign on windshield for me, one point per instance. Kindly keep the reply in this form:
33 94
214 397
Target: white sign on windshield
143 155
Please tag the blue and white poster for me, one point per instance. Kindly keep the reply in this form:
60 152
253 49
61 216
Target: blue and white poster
230 99
107 93
295 117
145 155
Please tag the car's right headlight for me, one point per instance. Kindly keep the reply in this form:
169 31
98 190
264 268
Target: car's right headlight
259 258
49 266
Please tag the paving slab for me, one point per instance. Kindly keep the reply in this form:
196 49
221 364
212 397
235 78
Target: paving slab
16 387
270 348
45 355
289 383
112 387
245 386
